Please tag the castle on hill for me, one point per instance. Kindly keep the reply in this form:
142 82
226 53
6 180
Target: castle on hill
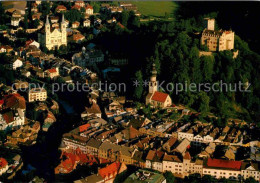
217 40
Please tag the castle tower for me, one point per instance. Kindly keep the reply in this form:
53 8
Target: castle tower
153 81
63 31
210 23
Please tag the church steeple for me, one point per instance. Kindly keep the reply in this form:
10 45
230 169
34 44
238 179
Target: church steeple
62 21
153 81
47 20
47 25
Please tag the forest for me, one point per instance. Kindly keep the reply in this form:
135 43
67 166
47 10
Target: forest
174 47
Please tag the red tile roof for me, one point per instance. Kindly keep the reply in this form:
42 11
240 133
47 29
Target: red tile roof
84 127
77 7
14 100
150 155
187 156
219 163
159 96
53 70
9 117
27 43
89 6
61 7
120 25
77 37
76 22
110 169
3 163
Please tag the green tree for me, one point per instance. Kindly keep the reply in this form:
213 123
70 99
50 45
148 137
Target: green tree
169 176
250 180
138 91
3 15
96 6
26 21
166 15
35 23
208 66
204 102
207 179
45 8
125 16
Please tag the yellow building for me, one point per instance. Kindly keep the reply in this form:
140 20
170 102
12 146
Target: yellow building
217 40
53 37
37 94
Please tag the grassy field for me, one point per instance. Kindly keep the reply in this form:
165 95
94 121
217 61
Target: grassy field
156 8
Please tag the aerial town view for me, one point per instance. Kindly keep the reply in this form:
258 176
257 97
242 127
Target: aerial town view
129 91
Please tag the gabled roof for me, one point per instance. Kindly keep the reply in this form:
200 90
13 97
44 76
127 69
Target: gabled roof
130 133
187 156
61 7
94 143
77 37
172 141
155 156
226 164
84 127
76 7
3 163
171 158
250 166
89 6
8 117
14 100
93 109
53 70
159 96
111 169
183 146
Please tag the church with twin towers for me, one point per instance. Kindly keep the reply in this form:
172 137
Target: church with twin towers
53 37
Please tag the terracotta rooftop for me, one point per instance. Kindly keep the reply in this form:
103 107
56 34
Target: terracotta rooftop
187 156
159 96
89 6
228 164
109 170
93 109
171 158
3 163
53 70
84 127
61 7
14 101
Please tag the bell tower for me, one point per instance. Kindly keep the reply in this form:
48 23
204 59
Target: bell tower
47 25
47 32
63 32
153 81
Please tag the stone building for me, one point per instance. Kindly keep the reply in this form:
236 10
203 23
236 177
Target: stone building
154 97
217 40
53 37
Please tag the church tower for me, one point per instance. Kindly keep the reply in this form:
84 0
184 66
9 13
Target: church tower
153 81
63 32
47 31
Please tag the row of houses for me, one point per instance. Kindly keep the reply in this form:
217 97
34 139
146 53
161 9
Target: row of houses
161 161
